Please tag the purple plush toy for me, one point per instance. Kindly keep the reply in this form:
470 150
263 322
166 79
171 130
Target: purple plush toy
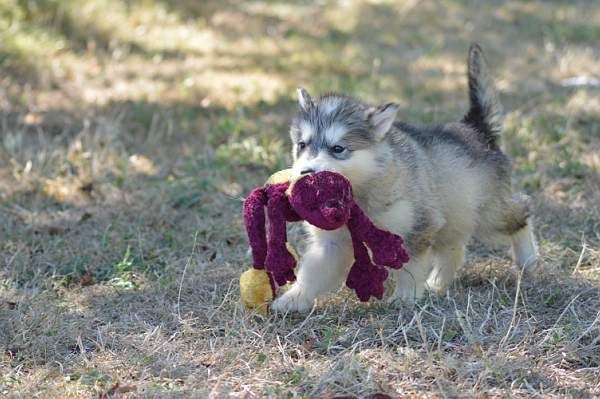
323 199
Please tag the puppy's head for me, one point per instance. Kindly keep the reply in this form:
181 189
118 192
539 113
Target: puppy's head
339 134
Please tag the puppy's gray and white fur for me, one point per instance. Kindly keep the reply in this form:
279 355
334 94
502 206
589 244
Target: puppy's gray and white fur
436 186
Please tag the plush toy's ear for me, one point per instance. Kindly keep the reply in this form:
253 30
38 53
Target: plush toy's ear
304 99
382 118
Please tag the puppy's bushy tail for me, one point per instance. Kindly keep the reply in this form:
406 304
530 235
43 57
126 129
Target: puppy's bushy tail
485 110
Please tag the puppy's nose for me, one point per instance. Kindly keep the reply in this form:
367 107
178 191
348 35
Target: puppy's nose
307 171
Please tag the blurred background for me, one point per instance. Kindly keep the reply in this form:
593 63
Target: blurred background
131 130
170 82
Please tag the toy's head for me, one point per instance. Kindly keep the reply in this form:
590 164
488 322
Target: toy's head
323 199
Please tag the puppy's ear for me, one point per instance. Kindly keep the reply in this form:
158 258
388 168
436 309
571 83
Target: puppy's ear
304 99
382 118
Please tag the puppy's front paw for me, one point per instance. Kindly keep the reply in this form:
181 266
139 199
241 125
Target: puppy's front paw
294 300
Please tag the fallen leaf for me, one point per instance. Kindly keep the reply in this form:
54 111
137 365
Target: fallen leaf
379 395
309 344
11 353
87 188
32 119
117 389
208 361
142 164
85 217
87 279
55 230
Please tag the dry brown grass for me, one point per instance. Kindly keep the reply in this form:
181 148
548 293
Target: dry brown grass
131 131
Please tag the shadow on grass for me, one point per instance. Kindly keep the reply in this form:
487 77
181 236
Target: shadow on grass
112 188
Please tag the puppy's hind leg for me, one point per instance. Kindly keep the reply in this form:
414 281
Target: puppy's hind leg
524 247
410 280
512 219
517 224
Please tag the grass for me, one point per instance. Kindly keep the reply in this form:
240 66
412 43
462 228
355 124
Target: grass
130 132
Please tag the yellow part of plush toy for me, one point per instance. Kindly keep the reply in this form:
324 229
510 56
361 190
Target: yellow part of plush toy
281 176
255 290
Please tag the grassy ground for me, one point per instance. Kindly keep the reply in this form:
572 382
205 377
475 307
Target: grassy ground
130 132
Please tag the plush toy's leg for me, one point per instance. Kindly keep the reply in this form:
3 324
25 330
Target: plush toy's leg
322 269
254 219
386 248
279 262
411 279
365 278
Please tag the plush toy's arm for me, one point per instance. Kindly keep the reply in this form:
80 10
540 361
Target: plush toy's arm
280 262
254 219
386 247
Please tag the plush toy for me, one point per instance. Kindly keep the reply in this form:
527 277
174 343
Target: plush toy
323 199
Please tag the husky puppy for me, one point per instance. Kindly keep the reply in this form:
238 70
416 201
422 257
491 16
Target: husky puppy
436 186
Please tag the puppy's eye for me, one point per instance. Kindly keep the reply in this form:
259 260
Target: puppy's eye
301 145
337 149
